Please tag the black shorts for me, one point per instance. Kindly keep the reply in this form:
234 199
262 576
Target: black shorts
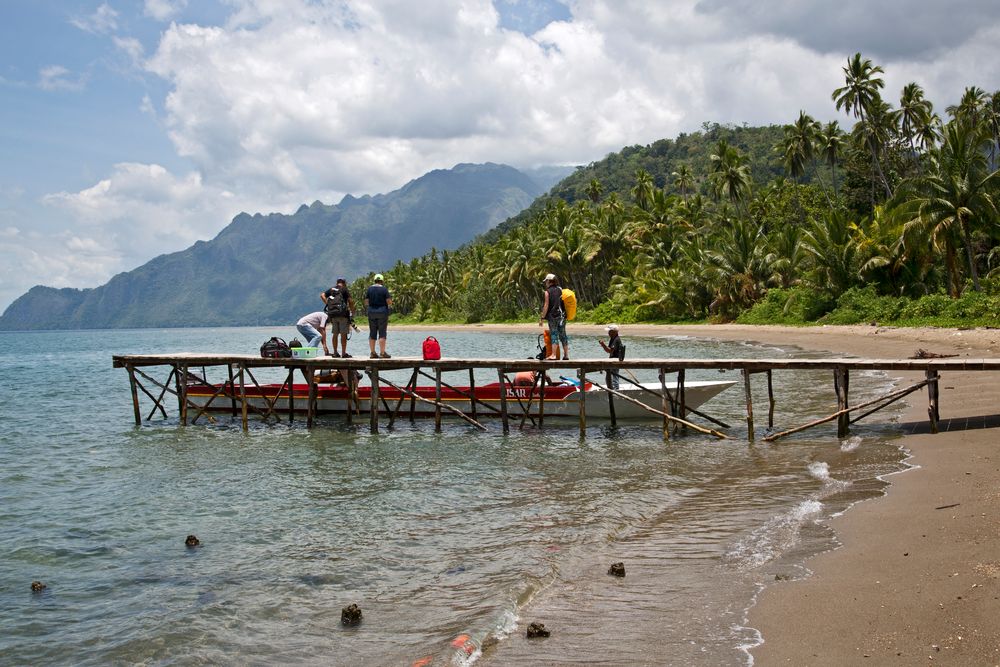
377 324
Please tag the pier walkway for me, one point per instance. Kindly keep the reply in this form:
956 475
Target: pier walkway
672 408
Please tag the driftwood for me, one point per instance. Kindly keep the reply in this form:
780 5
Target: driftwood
924 354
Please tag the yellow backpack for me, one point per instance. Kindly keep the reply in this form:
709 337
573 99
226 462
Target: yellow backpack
569 303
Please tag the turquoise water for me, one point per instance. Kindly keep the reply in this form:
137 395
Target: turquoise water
432 535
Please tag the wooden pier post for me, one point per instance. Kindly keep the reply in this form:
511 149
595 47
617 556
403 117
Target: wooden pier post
291 395
351 388
243 399
749 399
310 396
373 399
472 391
681 406
503 402
135 395
770 400
582 374
611 398
541 399
932 399
437 399
841 384
232 392
665 408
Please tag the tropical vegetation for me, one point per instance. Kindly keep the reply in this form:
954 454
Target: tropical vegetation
893 218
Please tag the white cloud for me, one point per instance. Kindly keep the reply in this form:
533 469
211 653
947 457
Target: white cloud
132 47
103 21
163 10
57 77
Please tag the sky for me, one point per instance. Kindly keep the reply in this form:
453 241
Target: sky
134 128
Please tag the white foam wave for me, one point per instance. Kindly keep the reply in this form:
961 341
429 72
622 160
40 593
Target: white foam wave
820 470
850 444
776 536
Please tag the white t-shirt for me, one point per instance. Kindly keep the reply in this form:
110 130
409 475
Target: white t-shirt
316 320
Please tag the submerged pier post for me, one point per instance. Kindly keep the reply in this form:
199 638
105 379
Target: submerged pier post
611 398
373 400
437 399
749 399
135 395
503 402
582 374
665 404
841 384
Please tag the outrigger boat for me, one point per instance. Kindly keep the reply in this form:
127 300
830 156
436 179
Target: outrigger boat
560 400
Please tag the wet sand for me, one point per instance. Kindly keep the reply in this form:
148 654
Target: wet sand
917 578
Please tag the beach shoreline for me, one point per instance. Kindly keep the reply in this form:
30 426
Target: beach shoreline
916 577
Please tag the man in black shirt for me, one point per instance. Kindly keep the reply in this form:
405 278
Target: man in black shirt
340 311
615 349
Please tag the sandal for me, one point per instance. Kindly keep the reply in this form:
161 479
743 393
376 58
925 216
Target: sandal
386 356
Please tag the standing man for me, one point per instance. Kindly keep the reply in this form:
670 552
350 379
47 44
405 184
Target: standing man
552 310
377 302
313 328
615 349
339 307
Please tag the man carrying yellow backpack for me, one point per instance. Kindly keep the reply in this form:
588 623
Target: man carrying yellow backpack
554 309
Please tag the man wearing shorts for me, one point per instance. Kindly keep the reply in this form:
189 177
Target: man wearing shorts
377 303
340 325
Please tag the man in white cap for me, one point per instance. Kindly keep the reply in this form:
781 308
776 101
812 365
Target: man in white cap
377 302
615 348
553 311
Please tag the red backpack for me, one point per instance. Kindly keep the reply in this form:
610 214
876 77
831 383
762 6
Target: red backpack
432 349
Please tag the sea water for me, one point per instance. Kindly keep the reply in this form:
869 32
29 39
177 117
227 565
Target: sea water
433 535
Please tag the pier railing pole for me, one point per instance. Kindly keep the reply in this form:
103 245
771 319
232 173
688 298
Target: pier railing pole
582 374
749 399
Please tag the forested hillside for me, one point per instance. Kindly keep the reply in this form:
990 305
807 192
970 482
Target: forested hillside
894 218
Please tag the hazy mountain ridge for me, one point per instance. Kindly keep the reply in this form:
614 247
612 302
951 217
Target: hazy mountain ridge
268 269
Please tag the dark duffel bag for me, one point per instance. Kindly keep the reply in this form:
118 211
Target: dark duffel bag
275 348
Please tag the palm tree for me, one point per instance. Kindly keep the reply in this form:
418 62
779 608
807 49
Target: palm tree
830 144
642 192
738 267
595 190
959 195
683 180
914 113
730 173
860 96
971 110
798 145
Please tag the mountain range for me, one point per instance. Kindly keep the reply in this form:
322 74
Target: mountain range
268 269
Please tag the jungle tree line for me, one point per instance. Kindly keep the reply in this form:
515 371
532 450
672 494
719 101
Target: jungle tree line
905 200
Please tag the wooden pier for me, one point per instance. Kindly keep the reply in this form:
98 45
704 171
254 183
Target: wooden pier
673 411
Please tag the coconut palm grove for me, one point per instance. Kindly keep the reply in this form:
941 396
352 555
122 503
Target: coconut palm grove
891 219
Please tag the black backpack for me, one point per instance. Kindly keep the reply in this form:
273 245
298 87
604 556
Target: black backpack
336 304
275 348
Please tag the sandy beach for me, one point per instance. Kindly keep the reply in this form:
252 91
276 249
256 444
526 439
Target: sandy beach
916 579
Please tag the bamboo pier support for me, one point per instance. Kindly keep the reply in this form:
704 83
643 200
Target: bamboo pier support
373 399
135 396
182 398
466 394
438 404
582 374
677 420
541 398
890 398
291 395
749 400
351 392
437 400
770 400
526 411
412 382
